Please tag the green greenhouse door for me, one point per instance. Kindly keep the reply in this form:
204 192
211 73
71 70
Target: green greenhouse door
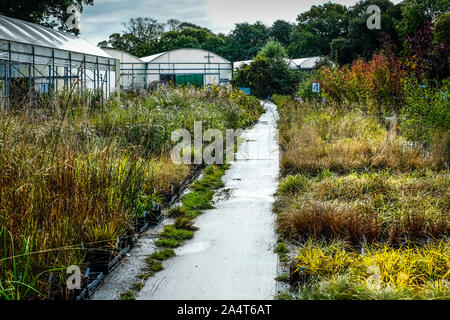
190 79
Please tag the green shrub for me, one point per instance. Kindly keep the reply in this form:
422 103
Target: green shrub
305 86
426 109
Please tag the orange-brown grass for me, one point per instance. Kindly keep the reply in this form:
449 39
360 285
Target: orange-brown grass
366 206
329 221
54 197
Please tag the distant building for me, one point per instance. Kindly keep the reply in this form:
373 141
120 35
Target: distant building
182 67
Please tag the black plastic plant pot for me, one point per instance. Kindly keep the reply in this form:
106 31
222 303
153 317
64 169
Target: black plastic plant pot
101 260
141 225
125 244
154 217
92 281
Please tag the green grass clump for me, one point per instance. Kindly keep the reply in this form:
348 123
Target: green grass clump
171 232
167 243
162 255
281 248
293 184
282 251
138 286
128 295
153 265
193 204
197 201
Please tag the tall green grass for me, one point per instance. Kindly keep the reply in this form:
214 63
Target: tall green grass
72 174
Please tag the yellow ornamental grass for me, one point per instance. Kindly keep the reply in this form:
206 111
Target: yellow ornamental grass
421 269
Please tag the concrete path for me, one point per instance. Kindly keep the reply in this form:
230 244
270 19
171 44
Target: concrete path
231 256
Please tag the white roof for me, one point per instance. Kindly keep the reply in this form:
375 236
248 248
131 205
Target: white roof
191 55
239 64
306 63
123 56
152 57
30 33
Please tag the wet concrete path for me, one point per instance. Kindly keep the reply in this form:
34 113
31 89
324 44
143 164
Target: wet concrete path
231 256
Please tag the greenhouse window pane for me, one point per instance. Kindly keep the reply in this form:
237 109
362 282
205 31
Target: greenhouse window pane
61 54
44 52
21 48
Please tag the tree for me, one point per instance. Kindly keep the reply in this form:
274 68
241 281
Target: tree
179 41
442 29
320 25
427 59
342 51
50 13
186 25
366 42
144 29
125 42
246 40
416 13
255 76
268 73
273 50
141 37
189 37
306 44
281 31
173 24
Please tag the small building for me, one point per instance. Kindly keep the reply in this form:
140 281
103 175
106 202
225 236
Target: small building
182 67
39 60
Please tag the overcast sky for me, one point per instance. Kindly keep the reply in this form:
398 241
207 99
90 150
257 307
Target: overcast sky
106 16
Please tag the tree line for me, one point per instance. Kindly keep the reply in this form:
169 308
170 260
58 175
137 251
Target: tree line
330 29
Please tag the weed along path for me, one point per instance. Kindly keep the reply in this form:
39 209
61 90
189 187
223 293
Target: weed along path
232 254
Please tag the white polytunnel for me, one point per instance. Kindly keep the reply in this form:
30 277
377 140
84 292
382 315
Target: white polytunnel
195 67
45 60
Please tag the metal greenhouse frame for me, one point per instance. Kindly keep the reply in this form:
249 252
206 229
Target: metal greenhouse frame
41 60
160 68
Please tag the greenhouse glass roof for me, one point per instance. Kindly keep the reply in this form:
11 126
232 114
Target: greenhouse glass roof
33 34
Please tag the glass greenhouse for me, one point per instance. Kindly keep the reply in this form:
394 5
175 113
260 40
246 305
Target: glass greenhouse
36 59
